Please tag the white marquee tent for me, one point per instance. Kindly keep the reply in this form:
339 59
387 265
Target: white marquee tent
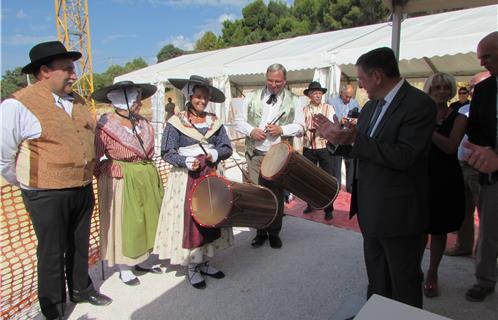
441 42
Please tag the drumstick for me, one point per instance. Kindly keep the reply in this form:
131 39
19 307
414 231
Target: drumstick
204 150
245 174
274 121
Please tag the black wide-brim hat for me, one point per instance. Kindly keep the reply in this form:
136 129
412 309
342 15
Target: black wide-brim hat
215 94
101 95
314 86
45 52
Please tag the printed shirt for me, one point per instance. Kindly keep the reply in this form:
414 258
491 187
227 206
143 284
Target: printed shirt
311 139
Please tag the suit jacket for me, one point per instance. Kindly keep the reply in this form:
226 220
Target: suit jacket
391 190
482 123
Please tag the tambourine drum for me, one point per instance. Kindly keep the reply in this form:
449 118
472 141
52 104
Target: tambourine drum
216 202
293 172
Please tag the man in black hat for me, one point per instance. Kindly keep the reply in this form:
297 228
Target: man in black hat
48 150
315 146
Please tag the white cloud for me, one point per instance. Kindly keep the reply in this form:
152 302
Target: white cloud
227 16
214 25
179 41
114 37
21 39
21 14
183 3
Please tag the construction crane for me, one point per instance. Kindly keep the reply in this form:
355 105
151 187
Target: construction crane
73 30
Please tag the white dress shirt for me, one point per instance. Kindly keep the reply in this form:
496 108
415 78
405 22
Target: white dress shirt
269 113
19 124
388 99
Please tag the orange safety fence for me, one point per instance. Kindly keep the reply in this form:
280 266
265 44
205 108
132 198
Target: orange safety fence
18 278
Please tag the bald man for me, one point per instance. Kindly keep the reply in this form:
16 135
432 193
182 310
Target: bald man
483 131
344 106
465 236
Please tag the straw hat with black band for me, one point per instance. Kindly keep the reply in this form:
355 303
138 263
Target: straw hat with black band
101 95
121 95
187 86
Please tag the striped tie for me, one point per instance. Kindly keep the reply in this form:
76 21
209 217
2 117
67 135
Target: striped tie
375 116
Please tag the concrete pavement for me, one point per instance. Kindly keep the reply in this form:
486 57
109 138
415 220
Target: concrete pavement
318 274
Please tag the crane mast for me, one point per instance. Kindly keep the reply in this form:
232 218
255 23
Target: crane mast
73 30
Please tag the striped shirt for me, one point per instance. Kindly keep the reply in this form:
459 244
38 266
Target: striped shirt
119 143
311 138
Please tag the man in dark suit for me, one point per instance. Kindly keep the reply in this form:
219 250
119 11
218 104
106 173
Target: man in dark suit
390 146
483 131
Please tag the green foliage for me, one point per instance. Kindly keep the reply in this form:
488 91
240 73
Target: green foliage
261 22
169 51
101 80
12 81
209 41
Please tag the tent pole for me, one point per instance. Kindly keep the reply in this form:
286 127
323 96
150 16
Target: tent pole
396 32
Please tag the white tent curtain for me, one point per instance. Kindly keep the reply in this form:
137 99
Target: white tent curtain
157 101
222 109
330 78
322 76
335 80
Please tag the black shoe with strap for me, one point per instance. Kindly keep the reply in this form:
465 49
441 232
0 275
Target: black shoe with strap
154 270
195 278
132 282
208 270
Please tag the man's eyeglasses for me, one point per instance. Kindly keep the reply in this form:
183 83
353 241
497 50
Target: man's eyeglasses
463 92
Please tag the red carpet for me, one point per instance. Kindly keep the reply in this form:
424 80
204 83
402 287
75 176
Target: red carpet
341 212
341 215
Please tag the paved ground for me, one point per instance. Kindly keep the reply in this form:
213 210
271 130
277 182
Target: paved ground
318 274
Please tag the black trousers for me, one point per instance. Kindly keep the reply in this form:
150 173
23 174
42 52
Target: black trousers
393 268
326 162
276 225
254 166
61 220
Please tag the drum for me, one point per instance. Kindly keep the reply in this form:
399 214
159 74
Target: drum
293 172
216 202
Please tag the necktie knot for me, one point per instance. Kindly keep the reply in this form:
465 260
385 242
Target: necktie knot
272 99
381 103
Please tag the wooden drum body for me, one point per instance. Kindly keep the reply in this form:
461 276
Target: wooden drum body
216 202
293 172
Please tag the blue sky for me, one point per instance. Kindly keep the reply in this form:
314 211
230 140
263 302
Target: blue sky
120 29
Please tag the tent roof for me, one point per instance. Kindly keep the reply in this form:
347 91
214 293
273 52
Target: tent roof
440 42
411 6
